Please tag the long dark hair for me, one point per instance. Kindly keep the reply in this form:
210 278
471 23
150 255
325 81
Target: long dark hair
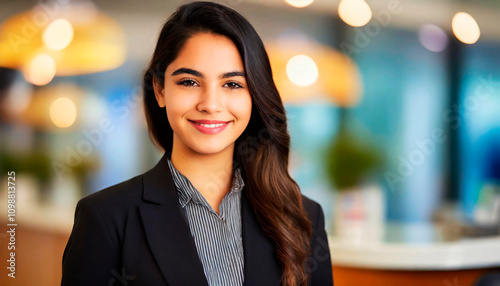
263 148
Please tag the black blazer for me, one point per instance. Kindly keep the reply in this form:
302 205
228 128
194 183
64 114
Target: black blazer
136 233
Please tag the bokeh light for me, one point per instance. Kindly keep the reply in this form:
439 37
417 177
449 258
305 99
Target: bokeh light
79 38
58 34
299 3
356 13
63 112
465 28
302 70
433 38
41 70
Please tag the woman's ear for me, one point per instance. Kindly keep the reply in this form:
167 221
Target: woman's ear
159 93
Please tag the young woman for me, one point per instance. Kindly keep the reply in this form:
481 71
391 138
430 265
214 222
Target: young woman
220 207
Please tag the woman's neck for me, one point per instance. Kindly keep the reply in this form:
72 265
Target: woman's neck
210 174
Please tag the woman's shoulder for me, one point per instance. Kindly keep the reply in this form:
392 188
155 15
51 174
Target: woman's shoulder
313 209
109 209
309 204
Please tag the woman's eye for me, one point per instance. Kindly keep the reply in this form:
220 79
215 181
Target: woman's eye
187 83
233 85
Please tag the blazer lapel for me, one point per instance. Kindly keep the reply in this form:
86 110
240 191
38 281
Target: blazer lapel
167 230
168 234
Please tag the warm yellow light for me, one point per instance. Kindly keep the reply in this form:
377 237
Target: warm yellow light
63 112
302 70
338 77
45 107
41 70
58 34
355 13
97 42
465 28
299 3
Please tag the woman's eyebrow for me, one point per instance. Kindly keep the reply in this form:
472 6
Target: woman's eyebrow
200 74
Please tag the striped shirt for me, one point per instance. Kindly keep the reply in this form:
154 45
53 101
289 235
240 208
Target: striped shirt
217 237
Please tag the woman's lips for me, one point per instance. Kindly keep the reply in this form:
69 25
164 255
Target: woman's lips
206 129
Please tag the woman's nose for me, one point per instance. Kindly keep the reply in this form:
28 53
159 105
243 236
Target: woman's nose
210 100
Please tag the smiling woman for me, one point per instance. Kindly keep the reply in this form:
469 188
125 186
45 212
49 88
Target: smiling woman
208 108
205 88
220 207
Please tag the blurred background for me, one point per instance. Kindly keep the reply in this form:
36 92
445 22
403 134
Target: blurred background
393 108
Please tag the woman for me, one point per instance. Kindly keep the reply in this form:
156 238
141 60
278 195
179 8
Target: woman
220 207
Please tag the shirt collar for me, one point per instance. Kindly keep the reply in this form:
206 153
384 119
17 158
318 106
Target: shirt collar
191 193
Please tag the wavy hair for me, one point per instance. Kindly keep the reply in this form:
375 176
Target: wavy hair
263 148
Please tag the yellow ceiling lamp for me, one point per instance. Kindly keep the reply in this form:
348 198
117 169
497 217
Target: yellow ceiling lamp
54 107
304 69
61 40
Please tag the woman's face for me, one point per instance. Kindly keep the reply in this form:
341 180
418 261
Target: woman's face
206 82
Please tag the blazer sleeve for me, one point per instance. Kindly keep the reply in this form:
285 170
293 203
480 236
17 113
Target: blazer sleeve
321 264
90 258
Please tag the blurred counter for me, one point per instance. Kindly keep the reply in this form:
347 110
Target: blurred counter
413 254
464 254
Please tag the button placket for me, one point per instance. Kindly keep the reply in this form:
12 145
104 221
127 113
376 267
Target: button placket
224 220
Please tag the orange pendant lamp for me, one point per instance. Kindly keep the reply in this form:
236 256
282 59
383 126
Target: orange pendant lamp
61 39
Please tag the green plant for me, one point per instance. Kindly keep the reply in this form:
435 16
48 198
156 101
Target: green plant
36 163
349 160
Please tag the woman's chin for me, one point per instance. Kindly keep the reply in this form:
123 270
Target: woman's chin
210 149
